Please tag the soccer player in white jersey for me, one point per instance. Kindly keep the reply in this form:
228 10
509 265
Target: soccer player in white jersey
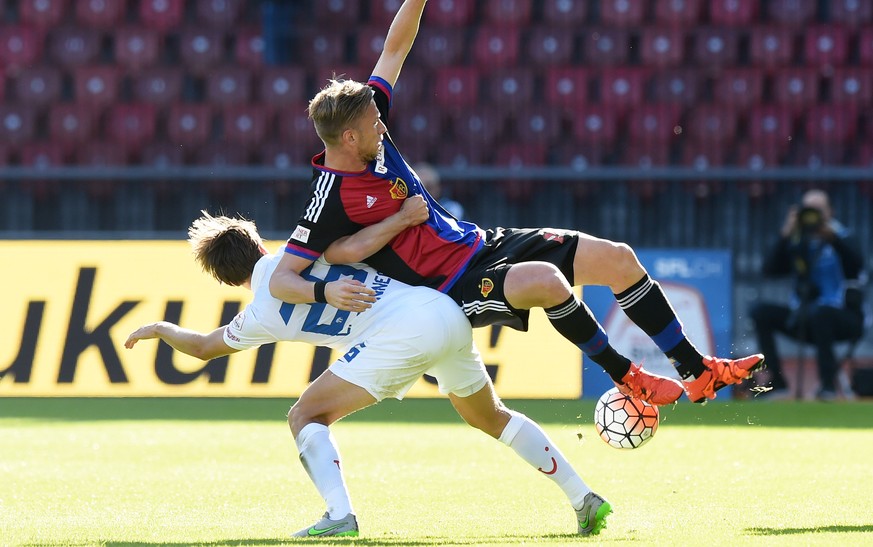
406 332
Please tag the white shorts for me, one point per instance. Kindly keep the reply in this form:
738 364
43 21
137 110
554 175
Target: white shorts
434 338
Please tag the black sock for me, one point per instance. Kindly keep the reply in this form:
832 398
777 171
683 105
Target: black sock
646 305
575 322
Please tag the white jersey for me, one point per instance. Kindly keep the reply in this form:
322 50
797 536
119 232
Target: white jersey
267 319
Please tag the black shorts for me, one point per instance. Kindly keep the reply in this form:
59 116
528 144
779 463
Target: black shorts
479 291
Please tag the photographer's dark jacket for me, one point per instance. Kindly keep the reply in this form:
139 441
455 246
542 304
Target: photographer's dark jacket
821 268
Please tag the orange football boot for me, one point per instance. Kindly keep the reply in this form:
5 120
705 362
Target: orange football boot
722 372
652 388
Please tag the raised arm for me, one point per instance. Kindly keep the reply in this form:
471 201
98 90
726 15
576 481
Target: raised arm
199 345
399 40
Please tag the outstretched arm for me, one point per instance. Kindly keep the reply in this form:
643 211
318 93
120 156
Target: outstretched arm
399 40
202 346
367 241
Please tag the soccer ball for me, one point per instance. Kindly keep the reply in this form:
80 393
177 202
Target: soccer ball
624 422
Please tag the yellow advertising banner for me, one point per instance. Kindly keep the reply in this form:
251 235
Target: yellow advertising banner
68 307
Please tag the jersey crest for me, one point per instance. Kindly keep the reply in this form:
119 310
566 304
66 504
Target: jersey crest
399 190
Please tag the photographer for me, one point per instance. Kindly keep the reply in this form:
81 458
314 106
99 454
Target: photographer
826 306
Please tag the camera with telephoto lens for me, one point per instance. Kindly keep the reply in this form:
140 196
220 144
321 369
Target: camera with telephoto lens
810 221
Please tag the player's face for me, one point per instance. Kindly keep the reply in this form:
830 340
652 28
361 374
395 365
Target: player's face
370 130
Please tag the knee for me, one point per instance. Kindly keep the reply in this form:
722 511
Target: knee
491 423
299 417
536 285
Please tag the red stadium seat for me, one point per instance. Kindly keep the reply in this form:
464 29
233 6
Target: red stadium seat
5 154
42 14
296 128
550 45
864 155
370 42
796 87
662 47
678 12
538 124
507 12
770 126
646 156
101 154
852 86
711 124
20 46
461 155
248 48
865 45
771 46
245 125
622 13
322 46
818 155
221 14
435 47
714 47
496 46
17 123
201 49
132 125
510 87
42 155
739 87
421 125
518 156
280 86
162 154
74 46
682 86
96 85
136 47
569 13
159 85
831 124
732 12
71 124
161 15
594 125
283 155
791 13
654 123
341 72
412 84
189 125
578 157
440 13
606 46
757 156
39 86
456 86
851 12
229 85
479 125
99 14
826 46
623 88
566 87
221 154
703 155
334 14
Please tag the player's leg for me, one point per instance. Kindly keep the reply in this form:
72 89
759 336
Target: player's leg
603 262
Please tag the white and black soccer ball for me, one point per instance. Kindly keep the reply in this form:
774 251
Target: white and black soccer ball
623 421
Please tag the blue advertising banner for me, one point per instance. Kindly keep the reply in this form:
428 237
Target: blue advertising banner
699 285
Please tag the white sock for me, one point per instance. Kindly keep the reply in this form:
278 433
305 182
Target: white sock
533 445
320 458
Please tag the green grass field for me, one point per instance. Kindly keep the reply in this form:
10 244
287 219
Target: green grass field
225 472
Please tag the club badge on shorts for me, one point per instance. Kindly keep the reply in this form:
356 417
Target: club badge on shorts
486 286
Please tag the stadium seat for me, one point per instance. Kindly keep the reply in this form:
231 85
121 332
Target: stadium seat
537 124
201 48
161 15
622 88
852 86
245 125
42 14
221 14
703 155
38 86
578 157
864 155
96 85
682 86
42 155
770 126
645 156
295 128
495 47
101 154
280 86
340 71
478 125
865 46
566 86
831 124
569 13
221 154
440 13
594 125
159 85
74 46
606 46
421 124
771 46
189 125
281 155
732 12
132 125
662 47
518 156
99 14
507 12
510 87
548 46
436 47
369 42
817 155
460 155
757 155
791 13
162 154
5 155
796 87
852 13
739 87
711 124
678 12
248 49
228 85
654 123
71 124
136 47
825 46
336 14
622 13
456 86
412 84
322 47
715 47
20 47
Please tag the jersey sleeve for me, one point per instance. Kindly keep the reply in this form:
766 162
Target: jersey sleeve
382 95
324 219
244 332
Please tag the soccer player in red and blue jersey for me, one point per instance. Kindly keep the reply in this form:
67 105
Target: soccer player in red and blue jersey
371 205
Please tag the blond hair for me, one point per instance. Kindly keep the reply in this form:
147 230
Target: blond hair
337 107
226 248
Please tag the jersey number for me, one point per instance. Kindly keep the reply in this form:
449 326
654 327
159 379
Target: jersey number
312 322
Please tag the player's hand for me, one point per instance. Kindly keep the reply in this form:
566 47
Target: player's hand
790 223
143 333
414 210
349 295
